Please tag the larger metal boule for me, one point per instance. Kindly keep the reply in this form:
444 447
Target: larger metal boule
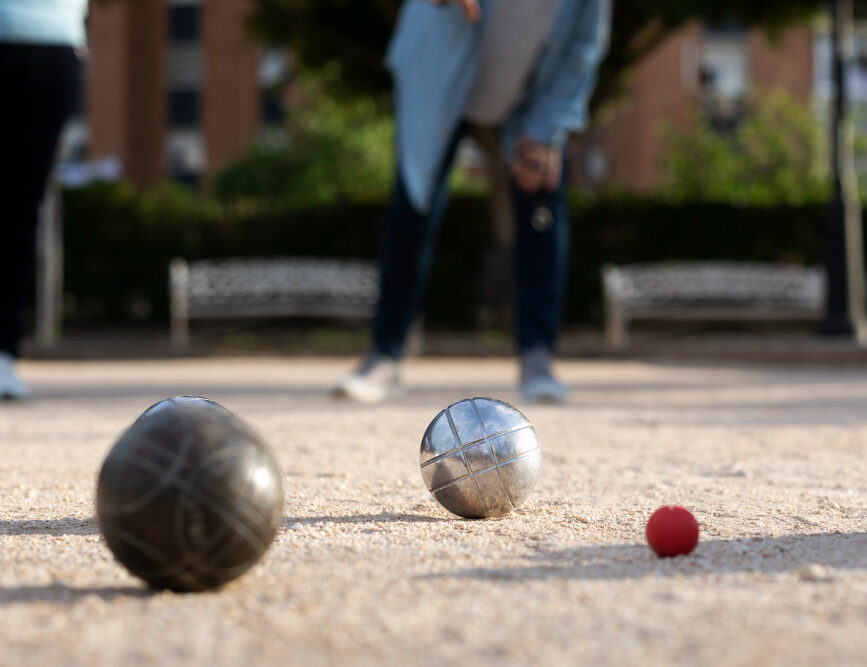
189 497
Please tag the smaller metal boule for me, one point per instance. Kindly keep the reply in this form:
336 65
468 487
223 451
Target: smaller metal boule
480 458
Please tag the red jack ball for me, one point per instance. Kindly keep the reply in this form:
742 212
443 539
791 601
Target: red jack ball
672 531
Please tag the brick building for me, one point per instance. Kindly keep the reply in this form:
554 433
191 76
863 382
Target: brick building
173 88
696 67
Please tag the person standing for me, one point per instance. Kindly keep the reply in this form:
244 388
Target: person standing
526 69
39 76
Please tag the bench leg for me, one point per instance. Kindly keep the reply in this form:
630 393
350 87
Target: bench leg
616 327
180 332
179 287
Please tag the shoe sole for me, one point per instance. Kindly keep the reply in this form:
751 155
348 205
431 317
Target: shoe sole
358 397
544 399
353 394
542 396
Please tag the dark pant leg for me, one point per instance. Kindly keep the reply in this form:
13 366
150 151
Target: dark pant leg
541 264
405 259
38 84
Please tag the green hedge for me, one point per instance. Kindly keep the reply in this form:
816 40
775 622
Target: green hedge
119 244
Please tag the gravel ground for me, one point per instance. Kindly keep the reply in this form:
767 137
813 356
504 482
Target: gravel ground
367 569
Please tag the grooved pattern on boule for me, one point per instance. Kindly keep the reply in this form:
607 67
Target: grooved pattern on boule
189 497
480 458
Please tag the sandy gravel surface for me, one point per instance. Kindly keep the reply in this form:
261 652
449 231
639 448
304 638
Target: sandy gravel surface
367 569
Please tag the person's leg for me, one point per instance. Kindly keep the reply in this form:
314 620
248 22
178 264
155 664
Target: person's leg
541 266
405 260
39 83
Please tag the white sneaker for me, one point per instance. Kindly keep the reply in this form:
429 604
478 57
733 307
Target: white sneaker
538 385
376 379
11 386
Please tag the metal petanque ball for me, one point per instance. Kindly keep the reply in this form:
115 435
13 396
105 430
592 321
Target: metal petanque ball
174 401
189 497
480 458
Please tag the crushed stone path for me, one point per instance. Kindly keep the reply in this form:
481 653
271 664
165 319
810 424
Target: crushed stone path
368 570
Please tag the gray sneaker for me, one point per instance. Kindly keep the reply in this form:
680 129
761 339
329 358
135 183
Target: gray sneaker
11 386
376 379
537 383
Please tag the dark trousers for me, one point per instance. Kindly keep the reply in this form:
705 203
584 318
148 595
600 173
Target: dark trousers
39 85
541 256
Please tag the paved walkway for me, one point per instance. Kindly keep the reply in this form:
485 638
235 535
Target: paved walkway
367 569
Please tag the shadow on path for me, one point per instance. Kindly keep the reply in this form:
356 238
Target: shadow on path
807 411
635 561
382 517
61 593
64 526
148 392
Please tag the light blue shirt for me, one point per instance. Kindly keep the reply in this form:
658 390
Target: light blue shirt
434 57
55 22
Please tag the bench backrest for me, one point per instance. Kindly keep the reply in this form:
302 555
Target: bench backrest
716 283
265 280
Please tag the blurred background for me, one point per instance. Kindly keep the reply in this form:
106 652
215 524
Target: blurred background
212 129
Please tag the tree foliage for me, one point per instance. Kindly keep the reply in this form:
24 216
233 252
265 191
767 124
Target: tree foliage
297 166
355 33
777 155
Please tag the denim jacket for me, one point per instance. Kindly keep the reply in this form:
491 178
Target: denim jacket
434 57
56 22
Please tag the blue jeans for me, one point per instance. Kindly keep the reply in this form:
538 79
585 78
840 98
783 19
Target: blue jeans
541 256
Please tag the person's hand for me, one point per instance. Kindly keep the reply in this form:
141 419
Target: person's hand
471 7
536 166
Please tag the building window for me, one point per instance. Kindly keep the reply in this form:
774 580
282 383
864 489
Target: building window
856 84
724 75
184 23
273 109
184 65
75 136
73 142
183 108
185 154
273 72
856 77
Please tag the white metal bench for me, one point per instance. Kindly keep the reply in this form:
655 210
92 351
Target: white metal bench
269 287
709 291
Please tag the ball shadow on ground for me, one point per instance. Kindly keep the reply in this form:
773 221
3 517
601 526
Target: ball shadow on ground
768 556
148 391
382 517
64 594
57 592
63 526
